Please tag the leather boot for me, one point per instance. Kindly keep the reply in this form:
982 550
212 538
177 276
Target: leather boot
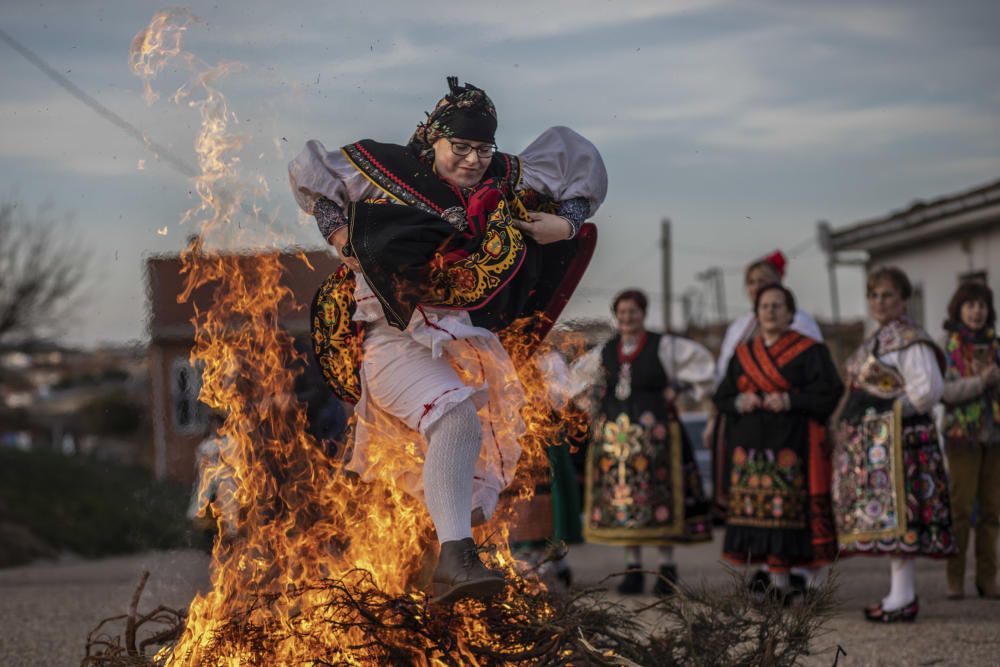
759 582
666 582
460 574
478 517
632 583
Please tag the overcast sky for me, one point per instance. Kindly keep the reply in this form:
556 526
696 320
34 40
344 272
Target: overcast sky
743 122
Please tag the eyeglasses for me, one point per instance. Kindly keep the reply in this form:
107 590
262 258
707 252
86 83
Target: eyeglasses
462 149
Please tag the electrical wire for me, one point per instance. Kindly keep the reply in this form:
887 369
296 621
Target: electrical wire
159 150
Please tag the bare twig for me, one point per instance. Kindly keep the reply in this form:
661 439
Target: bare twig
104 650
132 609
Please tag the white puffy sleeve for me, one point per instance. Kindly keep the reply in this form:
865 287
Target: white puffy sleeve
738 330
565 166
327 178
556 373
689 363
806 325
923 382
585 372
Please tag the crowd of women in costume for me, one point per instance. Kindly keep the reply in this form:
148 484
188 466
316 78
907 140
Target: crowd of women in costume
448 242
808 467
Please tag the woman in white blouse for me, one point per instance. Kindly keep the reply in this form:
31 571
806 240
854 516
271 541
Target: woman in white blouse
890 487
642 483
449 241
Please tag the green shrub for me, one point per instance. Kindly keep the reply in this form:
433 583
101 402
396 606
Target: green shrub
90 507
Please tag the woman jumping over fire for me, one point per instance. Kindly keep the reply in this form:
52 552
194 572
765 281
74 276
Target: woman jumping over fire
448 242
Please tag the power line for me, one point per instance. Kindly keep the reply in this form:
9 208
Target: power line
792 253
801 246
631 264
159 150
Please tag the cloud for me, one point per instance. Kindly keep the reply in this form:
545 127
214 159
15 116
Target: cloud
809 126
71 137
964 171
529 18
878 22
711 112
463 24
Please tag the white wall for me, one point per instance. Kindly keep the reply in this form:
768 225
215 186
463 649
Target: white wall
937 266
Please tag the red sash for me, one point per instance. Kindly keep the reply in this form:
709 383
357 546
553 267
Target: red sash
762 365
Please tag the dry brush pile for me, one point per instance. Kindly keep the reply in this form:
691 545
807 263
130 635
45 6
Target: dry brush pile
722 626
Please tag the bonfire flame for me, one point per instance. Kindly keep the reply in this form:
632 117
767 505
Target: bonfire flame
315 549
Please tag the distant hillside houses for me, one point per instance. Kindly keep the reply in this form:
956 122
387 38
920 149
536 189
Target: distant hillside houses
73 400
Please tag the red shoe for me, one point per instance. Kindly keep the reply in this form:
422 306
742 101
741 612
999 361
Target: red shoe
905 614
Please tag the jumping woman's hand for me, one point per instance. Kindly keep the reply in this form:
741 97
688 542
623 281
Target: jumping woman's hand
338 239
545 228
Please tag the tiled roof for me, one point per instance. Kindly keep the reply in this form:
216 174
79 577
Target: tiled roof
169 320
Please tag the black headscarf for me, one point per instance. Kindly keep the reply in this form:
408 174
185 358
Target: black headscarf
466 112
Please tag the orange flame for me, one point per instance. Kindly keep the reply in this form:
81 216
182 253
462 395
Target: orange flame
301 518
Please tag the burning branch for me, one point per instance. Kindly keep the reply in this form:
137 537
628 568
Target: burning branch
728 626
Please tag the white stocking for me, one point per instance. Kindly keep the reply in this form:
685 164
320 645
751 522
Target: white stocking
666 555
780 580
904 587
453 444
633 557
815 576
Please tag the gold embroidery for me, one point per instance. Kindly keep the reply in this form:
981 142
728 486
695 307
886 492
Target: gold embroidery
870 491
466 281
335 341
879 379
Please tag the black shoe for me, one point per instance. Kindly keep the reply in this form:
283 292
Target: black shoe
666 583
988 592
460 573
905 614
632 584
565 575
759 582
797 588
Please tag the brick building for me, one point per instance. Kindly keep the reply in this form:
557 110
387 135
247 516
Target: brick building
179 419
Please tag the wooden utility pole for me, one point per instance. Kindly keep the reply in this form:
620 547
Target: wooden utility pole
823 233
666 252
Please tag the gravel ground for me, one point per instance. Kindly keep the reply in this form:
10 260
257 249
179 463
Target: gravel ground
47 609
947 632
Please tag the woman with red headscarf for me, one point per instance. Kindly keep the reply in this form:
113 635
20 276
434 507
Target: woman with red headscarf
769 270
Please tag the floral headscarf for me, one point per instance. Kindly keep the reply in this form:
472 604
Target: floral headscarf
466 112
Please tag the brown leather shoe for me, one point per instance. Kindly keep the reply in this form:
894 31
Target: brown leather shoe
461 574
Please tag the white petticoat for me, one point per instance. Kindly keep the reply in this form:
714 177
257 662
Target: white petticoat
410 378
